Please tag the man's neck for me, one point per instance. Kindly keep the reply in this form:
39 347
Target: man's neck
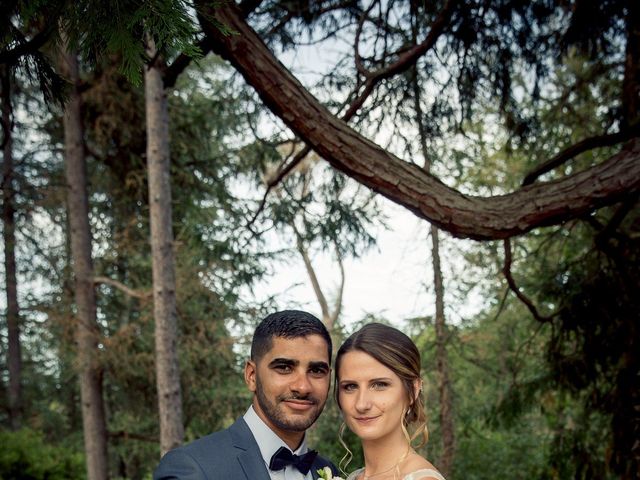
293 439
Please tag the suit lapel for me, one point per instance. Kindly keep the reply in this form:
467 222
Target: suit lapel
248 455
317 465
253 465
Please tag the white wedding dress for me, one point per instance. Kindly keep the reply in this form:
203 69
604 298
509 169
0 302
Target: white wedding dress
424 474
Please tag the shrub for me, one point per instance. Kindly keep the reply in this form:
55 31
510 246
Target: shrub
26 456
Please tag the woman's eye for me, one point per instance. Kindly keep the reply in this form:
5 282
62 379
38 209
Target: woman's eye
379 385
348 387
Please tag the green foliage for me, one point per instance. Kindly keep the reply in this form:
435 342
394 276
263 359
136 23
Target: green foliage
101 29
25 455
526 79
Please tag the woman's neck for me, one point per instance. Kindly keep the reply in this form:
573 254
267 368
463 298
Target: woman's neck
384 454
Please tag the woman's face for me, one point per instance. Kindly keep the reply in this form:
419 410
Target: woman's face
372 397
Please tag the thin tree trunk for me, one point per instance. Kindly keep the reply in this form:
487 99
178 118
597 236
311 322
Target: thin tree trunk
87 332
442 363
447 426
328 318
164 283
14 359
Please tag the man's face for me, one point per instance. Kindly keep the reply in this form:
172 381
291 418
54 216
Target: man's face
290 384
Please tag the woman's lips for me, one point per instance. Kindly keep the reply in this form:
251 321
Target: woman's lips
365 420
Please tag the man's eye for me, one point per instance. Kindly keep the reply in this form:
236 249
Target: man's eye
318 372
282 368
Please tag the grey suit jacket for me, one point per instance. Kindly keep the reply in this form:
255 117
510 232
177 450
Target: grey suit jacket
230 454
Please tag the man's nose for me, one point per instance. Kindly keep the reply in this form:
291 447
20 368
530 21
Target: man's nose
300 383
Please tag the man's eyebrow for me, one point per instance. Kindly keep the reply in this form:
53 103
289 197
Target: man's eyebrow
323 365
284 361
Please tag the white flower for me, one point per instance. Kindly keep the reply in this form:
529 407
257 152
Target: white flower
326 474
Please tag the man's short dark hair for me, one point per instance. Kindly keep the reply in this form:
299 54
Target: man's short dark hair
286 324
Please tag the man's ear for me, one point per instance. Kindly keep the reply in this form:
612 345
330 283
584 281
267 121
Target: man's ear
250 375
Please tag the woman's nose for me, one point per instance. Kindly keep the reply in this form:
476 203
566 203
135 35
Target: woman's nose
363 401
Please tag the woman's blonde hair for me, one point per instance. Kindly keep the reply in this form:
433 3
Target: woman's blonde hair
398 353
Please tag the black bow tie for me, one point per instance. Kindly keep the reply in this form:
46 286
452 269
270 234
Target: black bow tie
284 457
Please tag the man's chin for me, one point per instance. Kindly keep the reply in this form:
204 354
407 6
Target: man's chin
298 423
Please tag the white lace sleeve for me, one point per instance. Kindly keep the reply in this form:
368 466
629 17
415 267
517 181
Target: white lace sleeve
354 475
425 474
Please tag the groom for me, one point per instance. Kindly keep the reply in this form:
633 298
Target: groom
289 375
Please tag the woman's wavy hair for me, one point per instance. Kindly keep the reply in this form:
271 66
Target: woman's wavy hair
398 353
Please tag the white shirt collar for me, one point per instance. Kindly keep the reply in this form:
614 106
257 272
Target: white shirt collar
268 442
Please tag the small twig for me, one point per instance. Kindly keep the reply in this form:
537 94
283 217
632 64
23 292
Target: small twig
514 287
173 71
582 146
617 218
132 436
122 287
273 182
247 7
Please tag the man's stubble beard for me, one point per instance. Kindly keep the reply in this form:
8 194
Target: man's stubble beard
278 418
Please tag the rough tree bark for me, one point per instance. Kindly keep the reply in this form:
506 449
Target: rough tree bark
481 218
14 355
329 318
164 283
447 426
87 332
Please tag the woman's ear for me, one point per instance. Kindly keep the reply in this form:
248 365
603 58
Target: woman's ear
417 388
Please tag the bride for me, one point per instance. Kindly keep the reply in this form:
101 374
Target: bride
378 389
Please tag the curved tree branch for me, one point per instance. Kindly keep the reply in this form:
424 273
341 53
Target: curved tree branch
373 79
481 218
578 148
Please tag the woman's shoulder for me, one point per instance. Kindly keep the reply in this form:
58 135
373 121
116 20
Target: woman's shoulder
424 474
419 468
354 475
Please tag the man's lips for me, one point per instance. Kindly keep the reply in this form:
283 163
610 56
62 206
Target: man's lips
301 405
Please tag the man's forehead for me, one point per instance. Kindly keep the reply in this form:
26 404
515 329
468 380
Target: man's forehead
307 348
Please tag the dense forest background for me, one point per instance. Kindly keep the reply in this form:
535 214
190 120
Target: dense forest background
159 161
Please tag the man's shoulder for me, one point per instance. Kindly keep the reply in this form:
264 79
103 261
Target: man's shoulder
204 444
197 459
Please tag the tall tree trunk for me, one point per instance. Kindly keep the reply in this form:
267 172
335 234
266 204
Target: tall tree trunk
447 427
87 332
14 359
442 362
164 283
